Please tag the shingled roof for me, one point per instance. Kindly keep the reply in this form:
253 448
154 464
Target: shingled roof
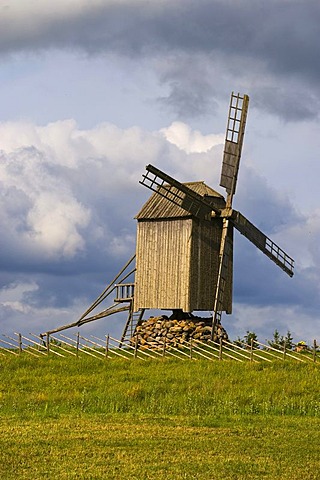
159 207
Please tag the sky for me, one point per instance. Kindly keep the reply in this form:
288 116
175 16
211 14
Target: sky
93 91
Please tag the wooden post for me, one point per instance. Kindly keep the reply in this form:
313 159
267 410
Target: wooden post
78 343
107 346
48 343
191 348
251 350
136 347
20 342
220 349
314 350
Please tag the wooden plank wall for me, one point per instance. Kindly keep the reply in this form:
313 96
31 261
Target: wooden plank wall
163 264
177 265
206 237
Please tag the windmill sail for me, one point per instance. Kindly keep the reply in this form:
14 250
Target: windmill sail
265 244
234 139
229 173
177 193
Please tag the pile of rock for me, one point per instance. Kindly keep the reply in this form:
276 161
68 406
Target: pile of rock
159 331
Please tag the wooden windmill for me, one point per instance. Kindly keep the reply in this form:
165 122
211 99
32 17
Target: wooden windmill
184 253
185 235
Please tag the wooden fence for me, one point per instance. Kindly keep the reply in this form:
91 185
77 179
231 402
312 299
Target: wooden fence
110 348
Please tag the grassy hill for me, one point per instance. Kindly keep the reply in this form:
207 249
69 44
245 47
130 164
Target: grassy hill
68 418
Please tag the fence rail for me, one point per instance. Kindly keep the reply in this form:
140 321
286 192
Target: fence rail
110 348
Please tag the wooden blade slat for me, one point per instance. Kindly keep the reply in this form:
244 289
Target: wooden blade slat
177 193
265 244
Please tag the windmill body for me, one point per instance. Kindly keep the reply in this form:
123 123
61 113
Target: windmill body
177 255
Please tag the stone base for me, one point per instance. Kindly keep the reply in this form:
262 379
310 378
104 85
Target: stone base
157 331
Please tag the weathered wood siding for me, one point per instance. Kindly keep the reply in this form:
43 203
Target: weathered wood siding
205 263
163 264
206 236
177 265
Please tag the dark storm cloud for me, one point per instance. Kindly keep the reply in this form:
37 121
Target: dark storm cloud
263 205
250 40
286 103
191 89
283 33
260 282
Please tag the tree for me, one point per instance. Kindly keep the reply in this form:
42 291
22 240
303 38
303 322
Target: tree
288 341
280 342
275 342
246 340
251 337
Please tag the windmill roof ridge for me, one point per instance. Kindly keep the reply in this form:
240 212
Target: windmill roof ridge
191 183
203 189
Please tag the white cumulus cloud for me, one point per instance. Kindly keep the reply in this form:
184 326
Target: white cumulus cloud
191 141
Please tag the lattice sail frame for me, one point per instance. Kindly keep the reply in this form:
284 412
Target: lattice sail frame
233 143
261 241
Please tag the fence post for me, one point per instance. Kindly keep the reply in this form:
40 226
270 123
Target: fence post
251 350
20 342
107 346
191 348
136 347
77 344
314 350
48 343
220 349
284 350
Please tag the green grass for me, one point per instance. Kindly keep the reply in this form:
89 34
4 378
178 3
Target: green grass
161 419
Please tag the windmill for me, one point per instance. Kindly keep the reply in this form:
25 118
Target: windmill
203 209
184 252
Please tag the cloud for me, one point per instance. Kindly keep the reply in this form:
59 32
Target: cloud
67 191
199 50
262 203
192 93
191 141
13 295
39 210
136 26
284 102
19 312
265 320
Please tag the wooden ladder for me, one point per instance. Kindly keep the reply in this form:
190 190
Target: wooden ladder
133 320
